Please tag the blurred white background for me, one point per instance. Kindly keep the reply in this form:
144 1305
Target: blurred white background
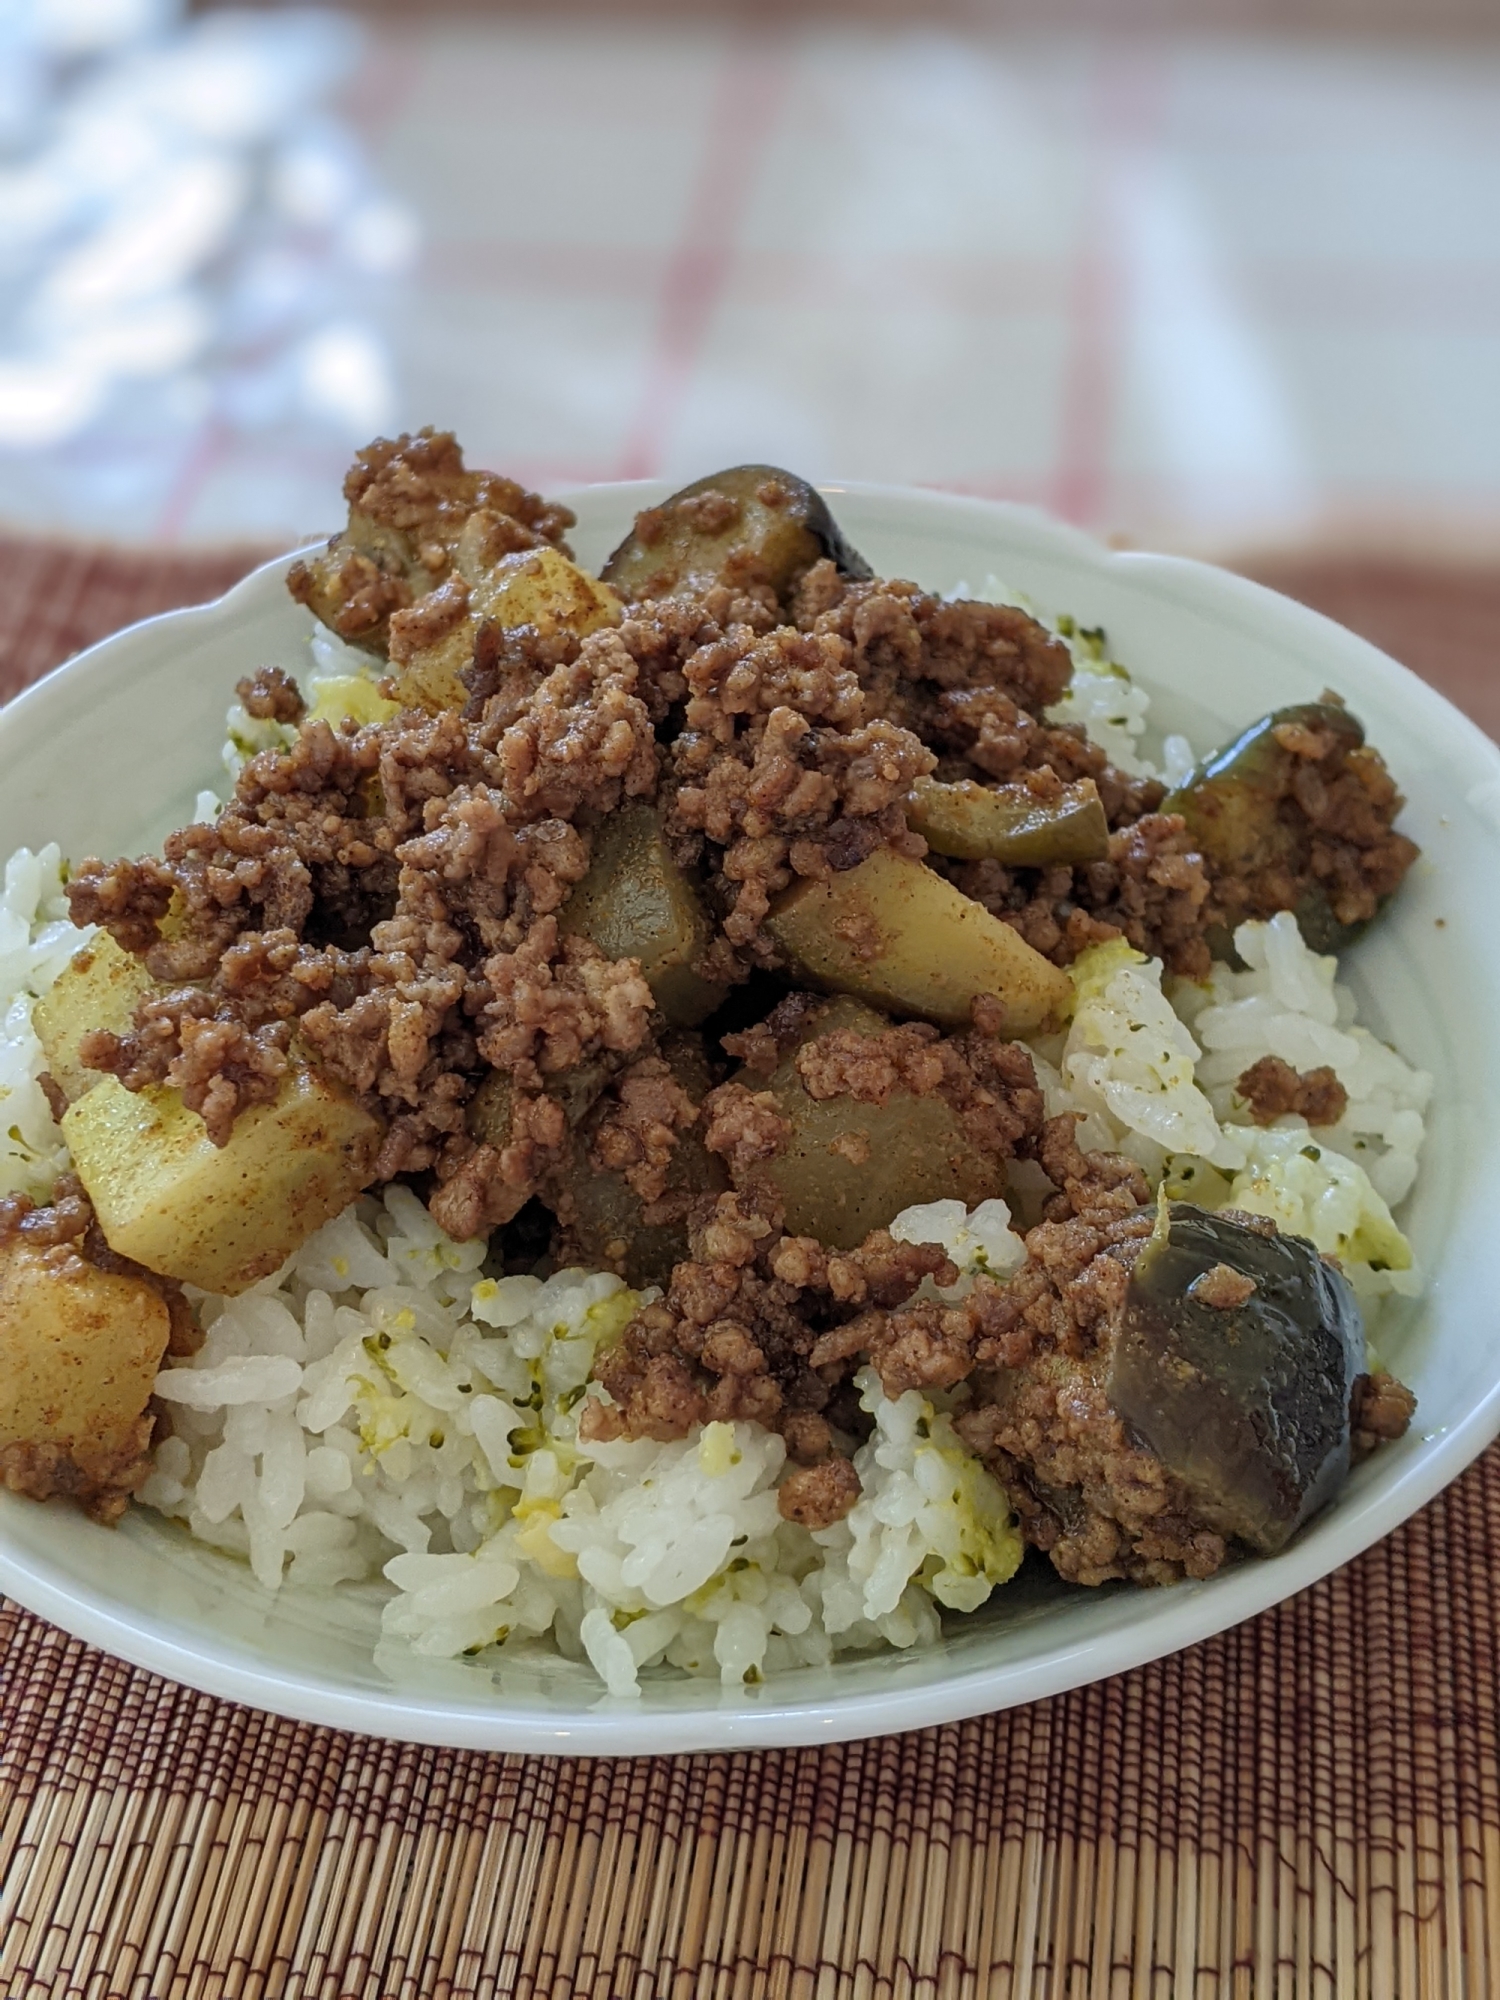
1207 291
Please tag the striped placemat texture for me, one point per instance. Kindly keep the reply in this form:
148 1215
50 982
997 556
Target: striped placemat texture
1308 1805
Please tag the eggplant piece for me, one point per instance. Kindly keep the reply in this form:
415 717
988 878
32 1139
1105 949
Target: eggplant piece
1234 1361
604 1214
751 524
635 902
354 584
850 1167
1245 821
487 1117
896 934
1009 824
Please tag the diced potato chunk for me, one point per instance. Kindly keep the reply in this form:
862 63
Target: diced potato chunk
537 587
850 1167
219 1217
79 1351
635 902
1009 823
100 987
893 932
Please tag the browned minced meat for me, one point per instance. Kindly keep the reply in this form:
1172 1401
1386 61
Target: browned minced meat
710 513
1273 1089
1381 1410
271 695
1222 1287
415 500
444 844
1085 1489
386 900
220 1063
745 1127
102 1481
416 627
781 772
637 1137
971 679
1336 814
1153 890
735 1335
418 483
815 1496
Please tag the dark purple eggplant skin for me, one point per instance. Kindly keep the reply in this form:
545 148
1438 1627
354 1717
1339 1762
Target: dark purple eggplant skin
671 551
1247 1405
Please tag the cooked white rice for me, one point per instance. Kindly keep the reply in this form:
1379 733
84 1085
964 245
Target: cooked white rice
37 938
379 1406
1153 1072
1102 696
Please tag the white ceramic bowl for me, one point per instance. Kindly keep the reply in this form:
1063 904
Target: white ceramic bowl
108 753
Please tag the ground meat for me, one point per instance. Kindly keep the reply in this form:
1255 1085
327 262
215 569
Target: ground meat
1223 1288
482 1186
816 1496
67 1218
710 513
557 1000
418 485
990 1084
1273 1089
128 898
270 695
428 621
776 758
509 665
1153 890
218 1061
414 509
102 1481
1380 1410
638 1135
901 637
745 1330
584 741
1098 1504
1331 835
745 1127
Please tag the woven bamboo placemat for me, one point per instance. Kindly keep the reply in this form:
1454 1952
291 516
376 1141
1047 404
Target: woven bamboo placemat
1308 1805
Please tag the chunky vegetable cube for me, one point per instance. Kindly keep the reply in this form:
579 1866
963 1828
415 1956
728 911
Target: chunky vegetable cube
100 987
342 584
751 524
79 1351
1234 1362
1008 823
635 902
893 932
850 1167
219 1217
537 587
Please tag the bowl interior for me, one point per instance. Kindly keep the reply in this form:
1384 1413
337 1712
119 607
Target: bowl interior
110 752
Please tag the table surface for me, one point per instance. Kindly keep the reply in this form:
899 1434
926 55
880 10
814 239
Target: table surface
1203 289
